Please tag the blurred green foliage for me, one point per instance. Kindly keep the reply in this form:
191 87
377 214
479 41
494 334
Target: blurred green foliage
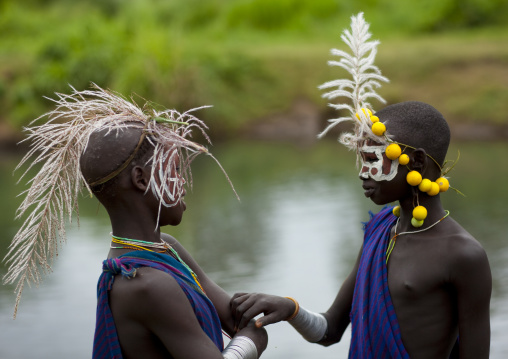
248 58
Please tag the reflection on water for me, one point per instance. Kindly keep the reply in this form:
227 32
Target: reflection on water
296 232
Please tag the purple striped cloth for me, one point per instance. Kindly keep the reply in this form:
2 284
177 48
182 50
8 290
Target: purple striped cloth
375 330
106 344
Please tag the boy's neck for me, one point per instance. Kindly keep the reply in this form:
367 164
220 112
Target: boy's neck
138 234
435 212
140 228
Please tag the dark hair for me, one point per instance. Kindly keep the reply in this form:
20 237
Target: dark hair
419 125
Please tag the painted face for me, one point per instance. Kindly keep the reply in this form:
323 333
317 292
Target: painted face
375 164
167 182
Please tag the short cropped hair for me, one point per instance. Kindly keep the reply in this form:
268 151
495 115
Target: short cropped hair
419 125
107 150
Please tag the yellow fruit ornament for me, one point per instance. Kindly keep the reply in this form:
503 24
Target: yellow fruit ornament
414 178
404 159
378 128
420 213
443 184
396 211
425 185
434 189
393 151
374 118
365 111
416 223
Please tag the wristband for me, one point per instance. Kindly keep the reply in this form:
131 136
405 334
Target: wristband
240 347
312 326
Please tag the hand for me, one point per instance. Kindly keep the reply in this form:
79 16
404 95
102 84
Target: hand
245 306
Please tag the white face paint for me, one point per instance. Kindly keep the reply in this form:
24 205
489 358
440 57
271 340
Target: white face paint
375 164
166 182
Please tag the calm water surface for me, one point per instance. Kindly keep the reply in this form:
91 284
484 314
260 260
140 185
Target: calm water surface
296 232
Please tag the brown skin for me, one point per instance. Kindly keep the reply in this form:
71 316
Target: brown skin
439 280
153 317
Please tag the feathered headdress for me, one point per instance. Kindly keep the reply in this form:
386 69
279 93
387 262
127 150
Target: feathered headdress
366 78
57 146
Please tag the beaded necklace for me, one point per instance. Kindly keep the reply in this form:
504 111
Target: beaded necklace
391 245
158 247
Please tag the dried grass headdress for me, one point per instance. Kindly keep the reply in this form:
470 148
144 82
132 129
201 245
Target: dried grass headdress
57 146
366 78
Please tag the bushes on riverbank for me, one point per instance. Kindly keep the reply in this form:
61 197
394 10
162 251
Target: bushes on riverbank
248 58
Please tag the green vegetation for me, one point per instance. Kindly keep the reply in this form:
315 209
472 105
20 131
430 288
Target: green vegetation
249 58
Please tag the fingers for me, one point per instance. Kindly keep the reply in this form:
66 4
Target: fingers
237 295
244 308
268 319
235 301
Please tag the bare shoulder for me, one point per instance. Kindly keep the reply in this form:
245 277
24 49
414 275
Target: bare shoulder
465 253
152 309
173 242
147 292
169 239
184 254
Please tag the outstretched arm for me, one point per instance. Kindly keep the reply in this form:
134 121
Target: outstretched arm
338 313
246 306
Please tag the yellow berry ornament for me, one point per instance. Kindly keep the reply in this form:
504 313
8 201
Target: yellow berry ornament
414 178
425 185
416 223
434 189
443 184
396 211
365 111
420 213
374 119
393 151
404 159
378 128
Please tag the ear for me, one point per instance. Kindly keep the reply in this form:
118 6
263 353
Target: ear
140 177
419 160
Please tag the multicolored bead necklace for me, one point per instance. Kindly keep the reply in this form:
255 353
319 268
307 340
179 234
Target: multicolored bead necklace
157 247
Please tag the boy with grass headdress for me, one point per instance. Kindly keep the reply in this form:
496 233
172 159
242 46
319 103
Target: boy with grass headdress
421 284
154 301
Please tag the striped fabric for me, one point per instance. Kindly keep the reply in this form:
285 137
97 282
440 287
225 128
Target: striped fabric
106 345
375 330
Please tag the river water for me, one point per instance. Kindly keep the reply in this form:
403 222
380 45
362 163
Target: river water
296 232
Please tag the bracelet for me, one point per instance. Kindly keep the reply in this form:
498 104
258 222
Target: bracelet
240 347
297 308
312 326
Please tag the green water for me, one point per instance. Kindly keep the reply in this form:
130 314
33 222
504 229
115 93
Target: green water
295 232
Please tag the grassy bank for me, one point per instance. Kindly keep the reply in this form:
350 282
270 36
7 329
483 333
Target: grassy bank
248 58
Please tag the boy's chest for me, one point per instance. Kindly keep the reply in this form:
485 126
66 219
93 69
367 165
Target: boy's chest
417 270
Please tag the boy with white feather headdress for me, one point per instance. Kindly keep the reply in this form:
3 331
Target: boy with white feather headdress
420 281
153 299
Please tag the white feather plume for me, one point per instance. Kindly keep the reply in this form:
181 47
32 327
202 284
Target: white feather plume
361 88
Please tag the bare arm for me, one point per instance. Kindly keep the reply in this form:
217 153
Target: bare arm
220 299
473 282
246 306
338 313
152 305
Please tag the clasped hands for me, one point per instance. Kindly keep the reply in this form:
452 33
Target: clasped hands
246 306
